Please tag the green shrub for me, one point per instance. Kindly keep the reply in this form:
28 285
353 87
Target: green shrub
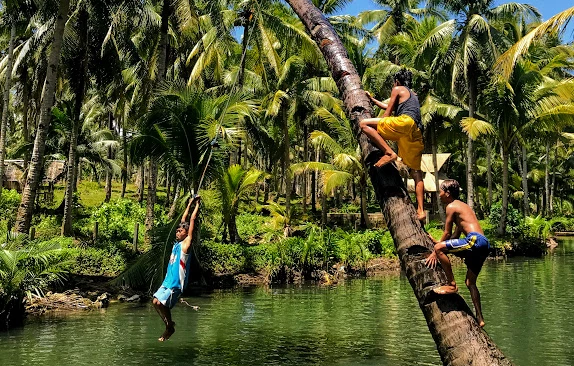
107 259
220 258
117 219
514 220
9 202
349 208
47 226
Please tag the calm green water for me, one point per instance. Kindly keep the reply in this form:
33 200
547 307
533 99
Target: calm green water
527 305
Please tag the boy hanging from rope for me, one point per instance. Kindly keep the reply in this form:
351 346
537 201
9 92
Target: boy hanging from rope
405 128
473 248
175 280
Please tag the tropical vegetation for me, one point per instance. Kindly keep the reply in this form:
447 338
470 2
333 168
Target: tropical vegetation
149 102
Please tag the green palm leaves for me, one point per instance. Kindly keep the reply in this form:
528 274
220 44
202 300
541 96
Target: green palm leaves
233 184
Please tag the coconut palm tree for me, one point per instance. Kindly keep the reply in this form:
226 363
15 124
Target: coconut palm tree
26 208
346 163
233 184
473 51
529 99
400 214
24 270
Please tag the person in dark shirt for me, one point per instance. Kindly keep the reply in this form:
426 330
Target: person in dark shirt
405 128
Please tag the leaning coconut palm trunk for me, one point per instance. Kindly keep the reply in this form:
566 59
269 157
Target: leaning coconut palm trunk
459 339
26 208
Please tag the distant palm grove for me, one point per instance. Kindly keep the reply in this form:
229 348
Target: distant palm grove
146 102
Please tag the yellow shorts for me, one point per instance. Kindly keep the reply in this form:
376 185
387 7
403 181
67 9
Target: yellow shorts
408 136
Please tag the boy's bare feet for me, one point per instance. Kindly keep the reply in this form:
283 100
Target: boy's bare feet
169 330
481 322
421 215
446 290
385 159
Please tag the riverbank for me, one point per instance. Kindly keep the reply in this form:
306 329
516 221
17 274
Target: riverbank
367 322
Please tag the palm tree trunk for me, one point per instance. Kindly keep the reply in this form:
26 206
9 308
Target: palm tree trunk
151 198
6 103
241 76
167 188
547 180
459 338
125 157
153 164
553 183
141 185
286 160
525 199
26 107
80 90
173 208
489 172
109 171
363 195
26 209
305 158
469 145
502 222
436 181
314 189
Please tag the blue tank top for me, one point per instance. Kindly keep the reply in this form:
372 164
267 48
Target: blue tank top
177 268
411 108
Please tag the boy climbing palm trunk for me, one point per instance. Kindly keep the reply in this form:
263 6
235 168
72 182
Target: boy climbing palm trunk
474 247
405 128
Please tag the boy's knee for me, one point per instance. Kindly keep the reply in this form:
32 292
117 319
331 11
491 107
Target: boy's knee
470 283
438 247
363 124
155 301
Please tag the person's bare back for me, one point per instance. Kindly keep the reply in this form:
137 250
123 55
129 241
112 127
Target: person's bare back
464 217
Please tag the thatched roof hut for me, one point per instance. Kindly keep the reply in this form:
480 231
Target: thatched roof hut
14 174
427 167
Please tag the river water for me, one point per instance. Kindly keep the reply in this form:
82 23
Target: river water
527 303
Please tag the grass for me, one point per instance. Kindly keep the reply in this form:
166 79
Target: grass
93 194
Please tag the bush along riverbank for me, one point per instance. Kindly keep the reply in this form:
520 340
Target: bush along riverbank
95 267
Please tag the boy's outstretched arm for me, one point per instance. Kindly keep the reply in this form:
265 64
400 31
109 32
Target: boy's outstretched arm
378 103
184 217
196 199
187 241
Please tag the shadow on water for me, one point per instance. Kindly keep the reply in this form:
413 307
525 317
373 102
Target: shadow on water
376 321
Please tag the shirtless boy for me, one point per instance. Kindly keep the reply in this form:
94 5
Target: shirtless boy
473 248
405 128
175 280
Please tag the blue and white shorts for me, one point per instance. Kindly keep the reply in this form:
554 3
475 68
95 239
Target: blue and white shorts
168 296
474 249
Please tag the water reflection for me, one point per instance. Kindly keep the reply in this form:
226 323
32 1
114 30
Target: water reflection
363 322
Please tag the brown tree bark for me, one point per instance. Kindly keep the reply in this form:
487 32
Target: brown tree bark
502 223
6 103
153 164
26 209
524 173
67 220
489 172
109 171
459 338
435 166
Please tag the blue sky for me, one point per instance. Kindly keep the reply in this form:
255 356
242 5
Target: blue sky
547 8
